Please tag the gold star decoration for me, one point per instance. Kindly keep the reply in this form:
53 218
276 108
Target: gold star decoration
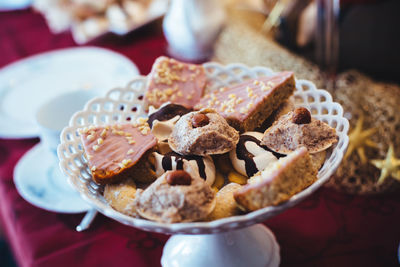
390 166
358 139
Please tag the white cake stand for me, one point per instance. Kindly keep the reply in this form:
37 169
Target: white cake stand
251 246
233 241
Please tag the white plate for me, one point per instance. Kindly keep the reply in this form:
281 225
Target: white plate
40 181
106 110
8 5
26 84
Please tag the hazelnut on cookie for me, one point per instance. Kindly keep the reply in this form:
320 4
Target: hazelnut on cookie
175 196
201 133
297 129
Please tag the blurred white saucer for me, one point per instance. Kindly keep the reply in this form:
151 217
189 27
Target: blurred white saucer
26 84
8 5
39 181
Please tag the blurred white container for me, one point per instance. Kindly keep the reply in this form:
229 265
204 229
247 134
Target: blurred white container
191 28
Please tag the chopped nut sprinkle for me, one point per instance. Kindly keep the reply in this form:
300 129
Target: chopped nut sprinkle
84 130
100 141
249 91
142 121
90 137
95 147
269 83
243 110
125 162
266 88
169 91
130 151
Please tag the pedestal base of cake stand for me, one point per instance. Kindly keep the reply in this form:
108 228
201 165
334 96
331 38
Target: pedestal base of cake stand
252 246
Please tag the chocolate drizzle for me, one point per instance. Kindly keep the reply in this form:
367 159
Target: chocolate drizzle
243 154
167 162
167 112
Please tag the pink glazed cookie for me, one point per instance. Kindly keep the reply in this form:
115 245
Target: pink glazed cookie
246 105
112 151
175 82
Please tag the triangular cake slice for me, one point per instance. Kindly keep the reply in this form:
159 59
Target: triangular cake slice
175 82
280 181
246 105
112 151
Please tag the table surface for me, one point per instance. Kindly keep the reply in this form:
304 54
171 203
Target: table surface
327 229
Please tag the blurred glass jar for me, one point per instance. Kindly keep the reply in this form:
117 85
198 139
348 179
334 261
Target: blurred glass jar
191 28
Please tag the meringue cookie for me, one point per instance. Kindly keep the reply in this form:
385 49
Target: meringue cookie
201 133
286 135
171 203
196 166
163 129
250 156
162 120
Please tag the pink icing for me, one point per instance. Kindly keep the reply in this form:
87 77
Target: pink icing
115 147
175 82
241 100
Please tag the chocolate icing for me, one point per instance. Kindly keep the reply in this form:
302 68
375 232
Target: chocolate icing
167 162
167 112
243 154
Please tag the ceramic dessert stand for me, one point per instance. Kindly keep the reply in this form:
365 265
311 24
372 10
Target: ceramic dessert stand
232 241
251 246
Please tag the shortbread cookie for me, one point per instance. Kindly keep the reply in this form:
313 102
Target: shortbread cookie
225 204
162 120
218 182
279 182
175 82
121 196
245 106
201 133
296 129
198 166
112 151
175 197
249 156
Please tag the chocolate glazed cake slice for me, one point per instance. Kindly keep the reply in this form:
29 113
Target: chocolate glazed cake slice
246 105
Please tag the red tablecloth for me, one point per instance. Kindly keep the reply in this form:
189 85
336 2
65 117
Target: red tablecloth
327 229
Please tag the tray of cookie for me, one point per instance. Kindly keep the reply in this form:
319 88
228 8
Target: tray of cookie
199 149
